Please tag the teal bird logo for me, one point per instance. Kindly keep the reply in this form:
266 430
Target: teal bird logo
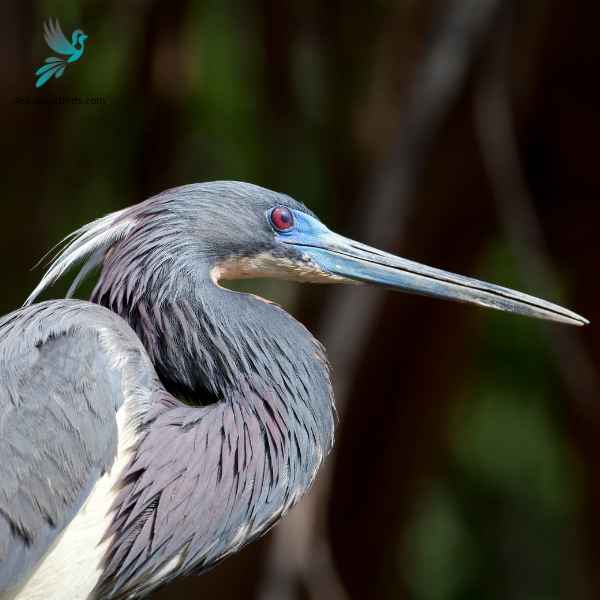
57 41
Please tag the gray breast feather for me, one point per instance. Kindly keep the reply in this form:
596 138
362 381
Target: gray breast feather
58 433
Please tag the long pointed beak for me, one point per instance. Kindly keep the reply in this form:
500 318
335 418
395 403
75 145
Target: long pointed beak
352 260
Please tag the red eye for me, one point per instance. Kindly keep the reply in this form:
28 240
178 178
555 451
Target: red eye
282 218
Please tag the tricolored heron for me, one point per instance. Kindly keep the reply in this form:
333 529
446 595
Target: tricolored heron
163 425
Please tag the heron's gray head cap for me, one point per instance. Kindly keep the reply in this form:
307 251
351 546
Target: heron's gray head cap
219 227
225 218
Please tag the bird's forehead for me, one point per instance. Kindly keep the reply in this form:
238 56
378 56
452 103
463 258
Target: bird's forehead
227 195
259 205
284 200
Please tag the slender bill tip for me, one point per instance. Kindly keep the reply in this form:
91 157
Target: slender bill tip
564 316
581 321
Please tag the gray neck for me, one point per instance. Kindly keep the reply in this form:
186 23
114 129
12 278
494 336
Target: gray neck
208 344
256 420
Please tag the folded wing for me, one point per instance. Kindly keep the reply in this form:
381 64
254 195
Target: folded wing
59 392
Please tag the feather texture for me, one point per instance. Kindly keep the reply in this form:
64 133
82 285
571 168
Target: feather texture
244 413
59 394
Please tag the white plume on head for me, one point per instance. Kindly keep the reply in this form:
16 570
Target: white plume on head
89 242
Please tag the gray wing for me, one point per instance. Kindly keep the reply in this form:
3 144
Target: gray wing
58 433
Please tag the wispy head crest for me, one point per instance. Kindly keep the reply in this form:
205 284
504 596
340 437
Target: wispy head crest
89 243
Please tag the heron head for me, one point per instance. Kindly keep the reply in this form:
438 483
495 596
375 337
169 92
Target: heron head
264 234
247 231
233 230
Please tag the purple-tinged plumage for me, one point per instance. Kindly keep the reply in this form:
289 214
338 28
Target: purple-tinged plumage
170 421
246 414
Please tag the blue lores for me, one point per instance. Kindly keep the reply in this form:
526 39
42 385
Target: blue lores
57 41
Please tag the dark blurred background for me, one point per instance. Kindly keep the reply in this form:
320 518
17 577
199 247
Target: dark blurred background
460 133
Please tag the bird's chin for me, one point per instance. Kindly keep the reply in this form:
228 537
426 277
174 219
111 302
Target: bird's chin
303 269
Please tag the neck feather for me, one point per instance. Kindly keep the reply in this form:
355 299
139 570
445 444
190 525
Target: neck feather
209 344
211 475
